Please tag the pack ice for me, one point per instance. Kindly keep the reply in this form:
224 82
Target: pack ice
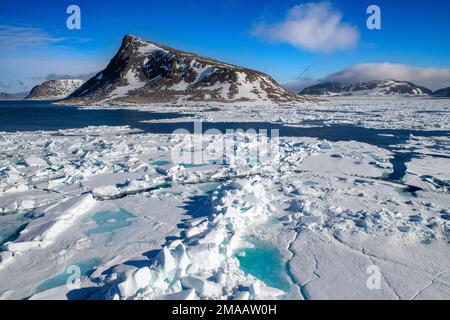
113 202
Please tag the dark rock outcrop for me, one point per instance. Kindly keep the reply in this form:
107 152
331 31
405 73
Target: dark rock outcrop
54 89
146 72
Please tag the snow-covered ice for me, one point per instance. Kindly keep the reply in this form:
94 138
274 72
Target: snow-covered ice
330 208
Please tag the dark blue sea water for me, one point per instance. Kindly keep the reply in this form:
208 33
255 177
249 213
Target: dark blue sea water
43 115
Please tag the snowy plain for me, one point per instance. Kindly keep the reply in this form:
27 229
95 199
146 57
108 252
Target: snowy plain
112 201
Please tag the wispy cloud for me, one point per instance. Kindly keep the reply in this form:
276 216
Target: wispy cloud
311 26
18 84
19 71
56 76
13 37
5 85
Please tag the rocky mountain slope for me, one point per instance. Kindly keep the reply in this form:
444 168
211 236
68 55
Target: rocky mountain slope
7 96
442 93
54 89
146 72
368 88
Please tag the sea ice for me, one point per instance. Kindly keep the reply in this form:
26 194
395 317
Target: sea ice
330 217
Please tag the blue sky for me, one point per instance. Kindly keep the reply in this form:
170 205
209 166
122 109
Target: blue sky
35 43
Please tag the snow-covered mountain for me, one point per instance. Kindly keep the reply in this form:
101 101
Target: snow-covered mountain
146 72
368 88
7 96
54 89
442 93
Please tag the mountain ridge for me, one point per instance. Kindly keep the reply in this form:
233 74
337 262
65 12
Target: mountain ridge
146 72
387 87
442 93
54 89
7 96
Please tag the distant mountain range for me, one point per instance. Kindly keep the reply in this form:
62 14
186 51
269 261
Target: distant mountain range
146 72
7 96
368 88
13 96
54 89
442 93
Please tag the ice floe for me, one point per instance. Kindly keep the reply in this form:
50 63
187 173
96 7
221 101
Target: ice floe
329 207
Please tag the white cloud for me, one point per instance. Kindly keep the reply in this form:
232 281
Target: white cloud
13 37
30 67
433 78
311 26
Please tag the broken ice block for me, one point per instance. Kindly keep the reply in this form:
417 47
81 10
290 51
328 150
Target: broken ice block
165 260
134 280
